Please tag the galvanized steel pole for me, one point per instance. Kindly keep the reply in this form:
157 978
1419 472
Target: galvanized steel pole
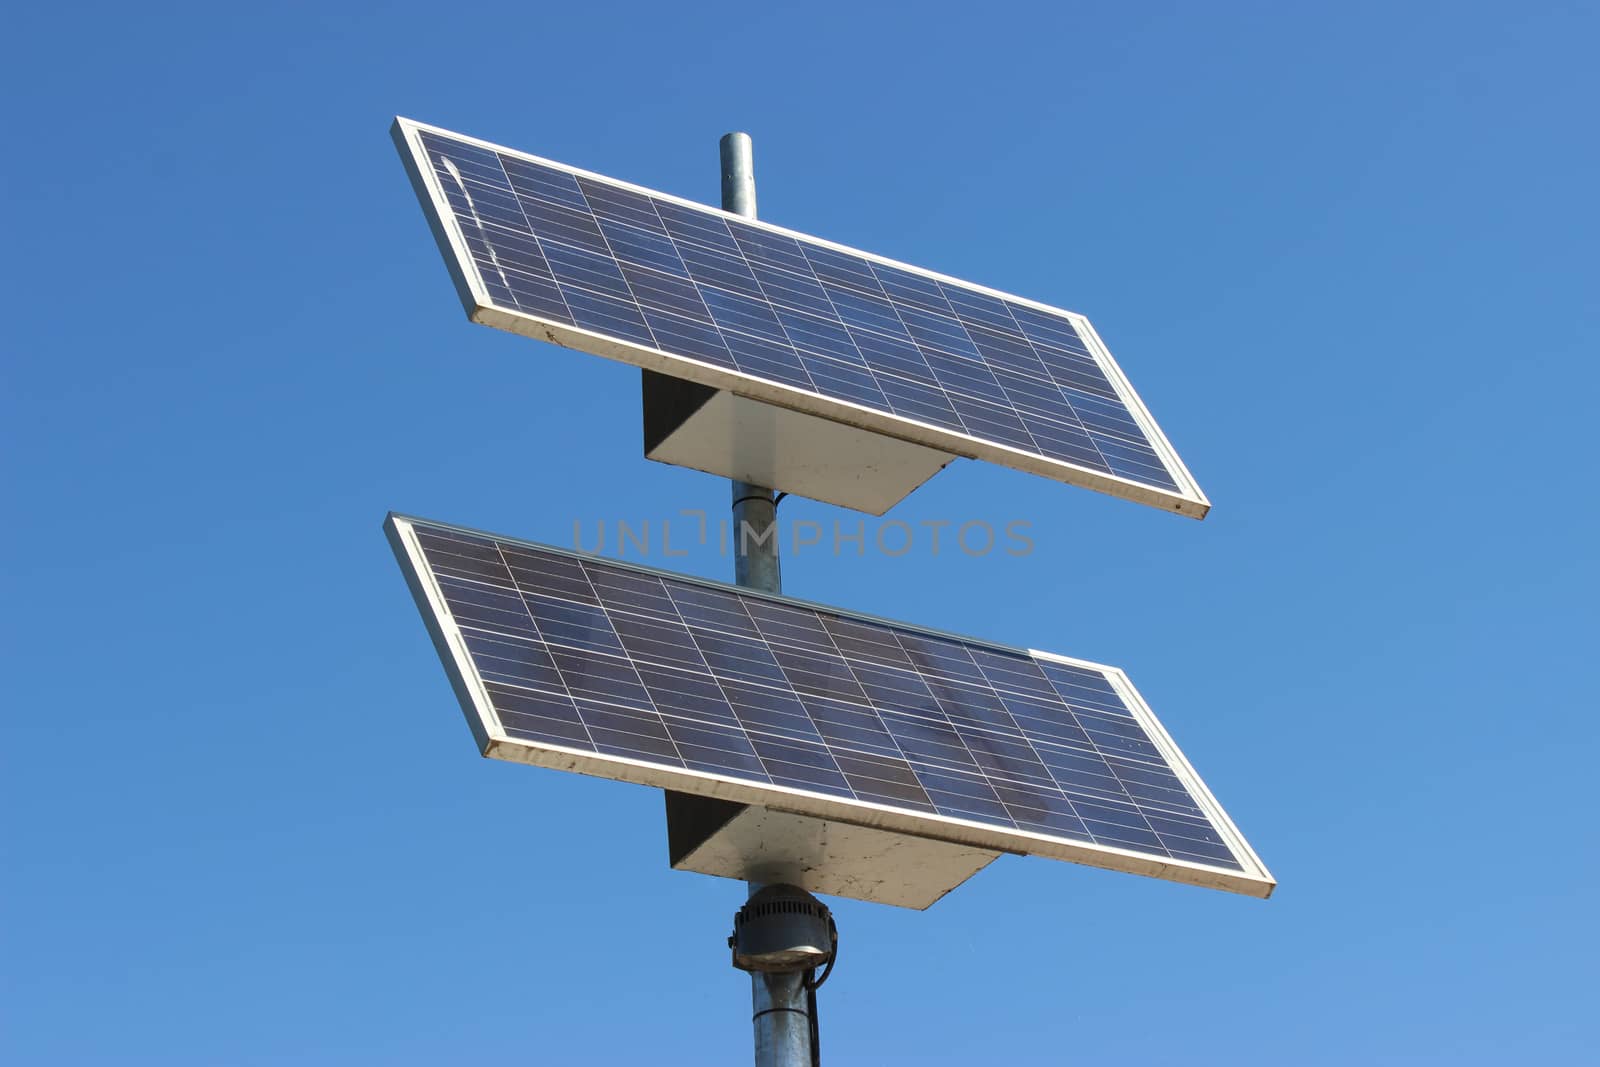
780 1017
755 521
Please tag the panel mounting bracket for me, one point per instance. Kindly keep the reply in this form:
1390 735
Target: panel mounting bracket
720 432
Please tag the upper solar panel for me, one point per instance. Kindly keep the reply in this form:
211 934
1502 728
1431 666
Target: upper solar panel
585 664
552 252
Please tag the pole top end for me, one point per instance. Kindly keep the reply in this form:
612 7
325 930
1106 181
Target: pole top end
738 174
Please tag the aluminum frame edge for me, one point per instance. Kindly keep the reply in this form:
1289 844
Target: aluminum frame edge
496 744
403 133
457 664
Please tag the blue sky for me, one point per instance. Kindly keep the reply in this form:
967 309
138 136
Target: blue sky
1345 252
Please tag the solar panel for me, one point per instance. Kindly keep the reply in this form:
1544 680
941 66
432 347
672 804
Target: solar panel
552 252
579 663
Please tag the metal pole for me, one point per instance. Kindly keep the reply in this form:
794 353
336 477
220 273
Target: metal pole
782 1021
780 1017
755 525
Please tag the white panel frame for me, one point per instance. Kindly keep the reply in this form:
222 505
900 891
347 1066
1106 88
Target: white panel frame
493 742
480 307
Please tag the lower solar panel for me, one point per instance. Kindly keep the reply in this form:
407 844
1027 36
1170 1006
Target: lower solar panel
583 664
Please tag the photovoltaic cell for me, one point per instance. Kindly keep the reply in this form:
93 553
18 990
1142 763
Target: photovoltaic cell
712 683
728 299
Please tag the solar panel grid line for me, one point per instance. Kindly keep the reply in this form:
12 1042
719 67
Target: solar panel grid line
817 752
557 665
788 670
956 764
1175 759
669 715
769 282
549 635
898 747
743 727
845 747
616 614
788 339
993 777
